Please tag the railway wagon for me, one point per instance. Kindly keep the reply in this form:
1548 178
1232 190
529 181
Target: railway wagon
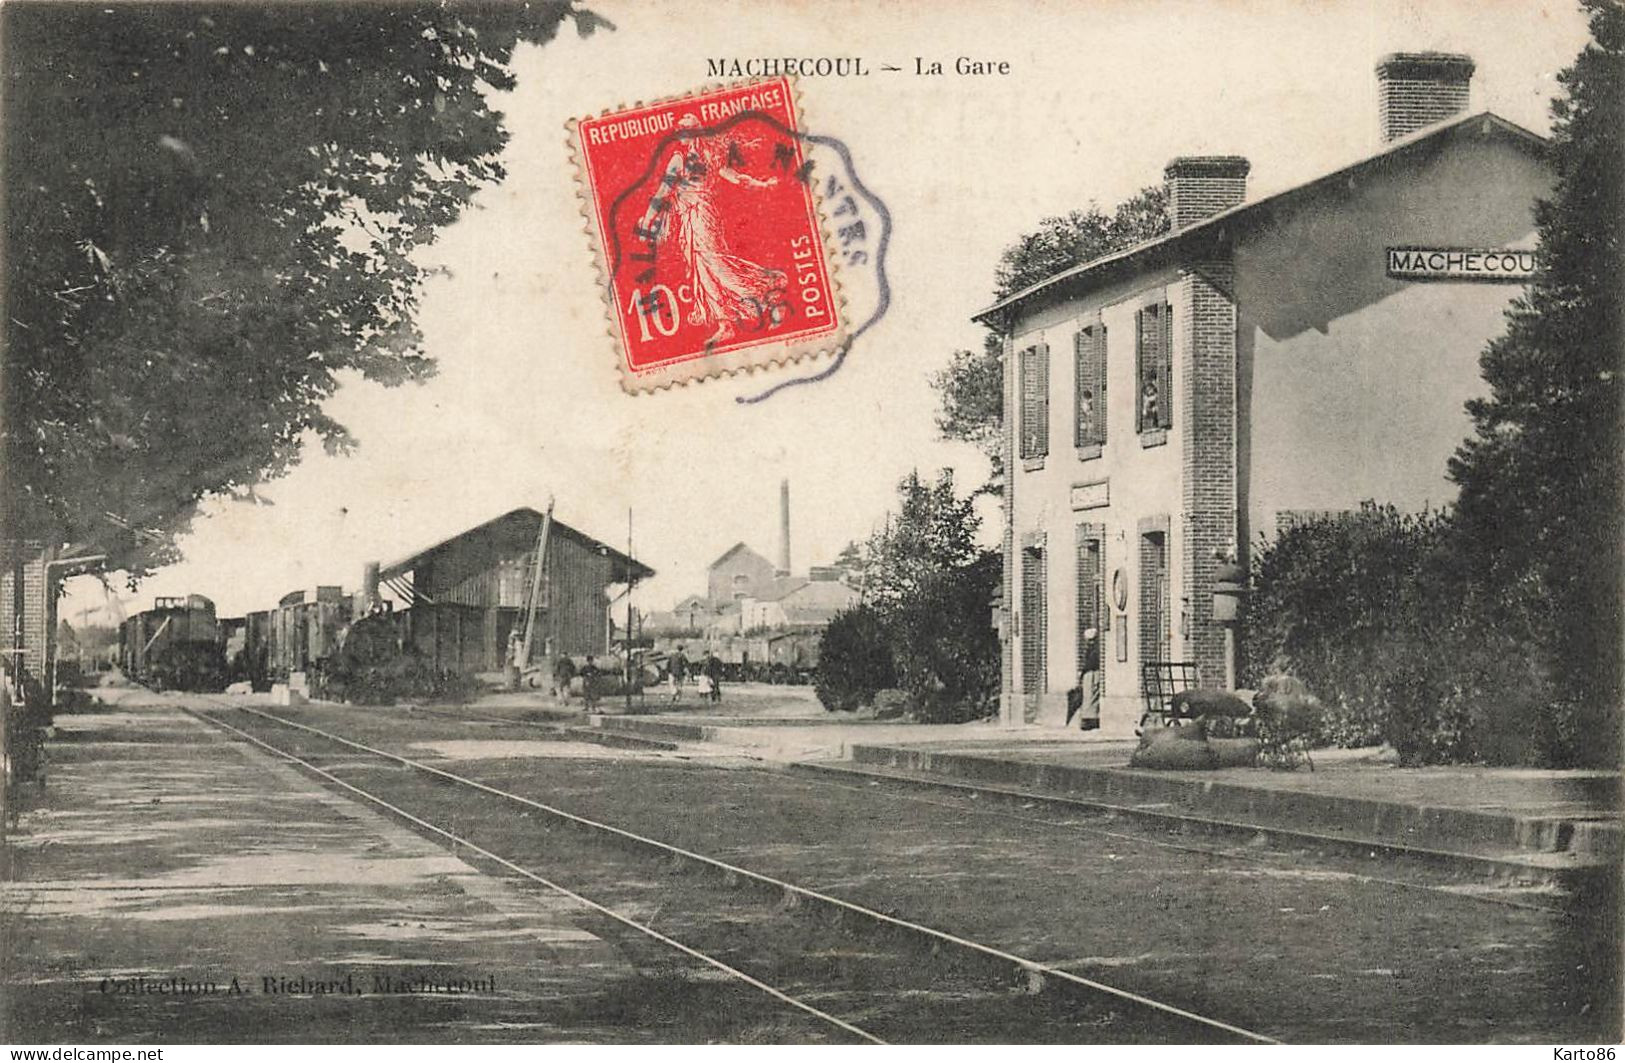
774 657
793 656
175 645
252 659
303 630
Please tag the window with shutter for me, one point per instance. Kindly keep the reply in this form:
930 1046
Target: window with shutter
1089 347
1034 622
1034 369
1153 369
1165 349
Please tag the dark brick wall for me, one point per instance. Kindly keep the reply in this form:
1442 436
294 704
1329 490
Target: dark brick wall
35 616
1417 89
1208 371
1200 186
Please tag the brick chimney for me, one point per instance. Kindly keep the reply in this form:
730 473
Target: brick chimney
784 529
1200 186
1418 89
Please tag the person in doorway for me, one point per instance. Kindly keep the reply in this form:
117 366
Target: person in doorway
713 672
589 683
1083 700
516 657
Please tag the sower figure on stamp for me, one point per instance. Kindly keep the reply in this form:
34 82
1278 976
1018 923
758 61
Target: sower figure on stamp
727 288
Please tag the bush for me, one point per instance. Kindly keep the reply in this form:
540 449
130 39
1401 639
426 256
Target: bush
1376 613
854 660
946 651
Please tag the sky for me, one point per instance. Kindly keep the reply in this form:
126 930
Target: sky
527 404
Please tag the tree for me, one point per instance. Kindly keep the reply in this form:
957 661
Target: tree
971 388
923 624
212 212
933 532
1540 478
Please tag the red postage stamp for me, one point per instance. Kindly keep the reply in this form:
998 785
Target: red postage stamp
705 223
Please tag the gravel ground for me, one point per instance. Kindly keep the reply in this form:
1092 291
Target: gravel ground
162 849
1296 949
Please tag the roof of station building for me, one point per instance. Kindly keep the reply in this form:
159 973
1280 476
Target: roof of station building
1204 235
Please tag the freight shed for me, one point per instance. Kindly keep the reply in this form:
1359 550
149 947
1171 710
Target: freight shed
465 595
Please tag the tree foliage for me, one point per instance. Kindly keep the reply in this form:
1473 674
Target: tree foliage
212 212
1538 516
933 532
1059 243
971 388
923 625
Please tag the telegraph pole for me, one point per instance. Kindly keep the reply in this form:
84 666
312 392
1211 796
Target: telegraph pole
626 679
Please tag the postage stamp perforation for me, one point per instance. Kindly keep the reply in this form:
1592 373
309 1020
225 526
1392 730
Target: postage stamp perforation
745 358
589 225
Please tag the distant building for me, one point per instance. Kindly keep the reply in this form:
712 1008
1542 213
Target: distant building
739 573
693 614
796 602
466 594
1263 361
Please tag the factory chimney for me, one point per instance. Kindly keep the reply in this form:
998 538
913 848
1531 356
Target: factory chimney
784 529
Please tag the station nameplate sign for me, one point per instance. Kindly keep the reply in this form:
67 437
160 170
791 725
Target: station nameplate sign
1091 495
1461 263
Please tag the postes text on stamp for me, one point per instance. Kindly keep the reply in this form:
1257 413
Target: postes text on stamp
703 216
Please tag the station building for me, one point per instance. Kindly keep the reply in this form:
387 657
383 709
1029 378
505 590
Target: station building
1263 361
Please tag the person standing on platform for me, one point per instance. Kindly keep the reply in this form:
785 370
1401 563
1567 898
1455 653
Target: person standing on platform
677 674
589 683
713 672
1083 700
516 658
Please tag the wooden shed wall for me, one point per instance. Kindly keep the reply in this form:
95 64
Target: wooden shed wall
477 587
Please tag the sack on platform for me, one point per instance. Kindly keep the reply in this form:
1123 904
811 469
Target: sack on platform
1233 752
1170 749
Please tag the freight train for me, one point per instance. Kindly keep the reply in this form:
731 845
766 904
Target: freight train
771 657
179 644
175 645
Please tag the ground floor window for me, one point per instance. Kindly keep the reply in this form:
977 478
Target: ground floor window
1034 634
1156 643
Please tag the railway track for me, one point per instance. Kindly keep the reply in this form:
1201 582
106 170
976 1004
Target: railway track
864 974
1080 816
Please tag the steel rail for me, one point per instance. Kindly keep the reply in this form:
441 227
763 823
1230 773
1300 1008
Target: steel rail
894 784
777 994
1033 969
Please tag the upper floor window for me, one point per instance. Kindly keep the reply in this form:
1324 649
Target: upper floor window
1034 395
1154 368
1090 357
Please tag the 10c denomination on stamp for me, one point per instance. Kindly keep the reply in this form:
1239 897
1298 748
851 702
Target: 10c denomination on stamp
704 220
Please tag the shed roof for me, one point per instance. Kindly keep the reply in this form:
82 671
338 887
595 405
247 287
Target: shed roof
621 563
1170 247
